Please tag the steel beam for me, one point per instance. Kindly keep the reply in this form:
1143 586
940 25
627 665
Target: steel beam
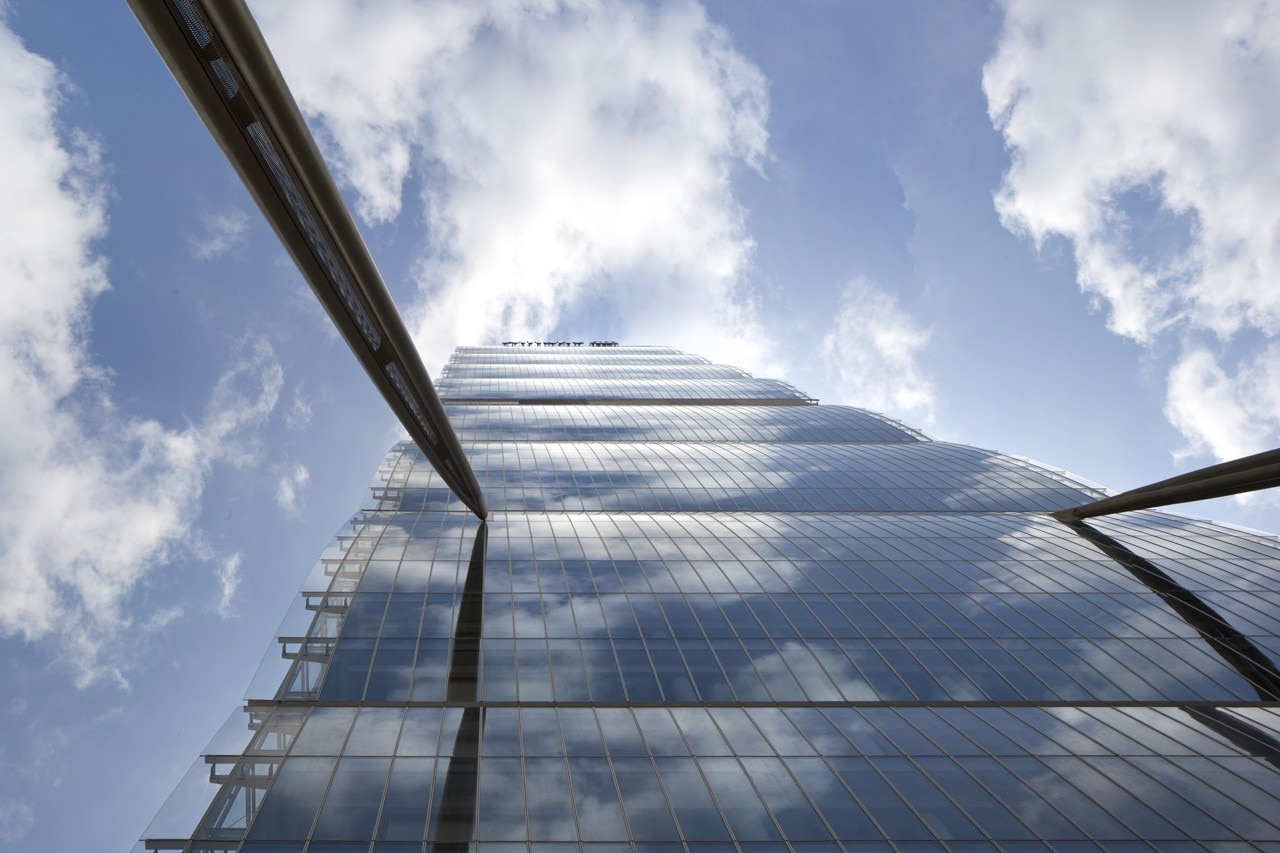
218 56
1260 471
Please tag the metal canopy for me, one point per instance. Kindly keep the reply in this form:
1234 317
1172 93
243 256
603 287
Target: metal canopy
218 56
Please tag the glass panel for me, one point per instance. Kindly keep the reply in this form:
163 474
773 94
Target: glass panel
375 732
404 813
581 735
550 811
842 812
596 799
790 808
325 731
500 800
895 817
291 804
646 805
660 732
351 808
700 732
420 732
348 671
743 810
695 810
391 675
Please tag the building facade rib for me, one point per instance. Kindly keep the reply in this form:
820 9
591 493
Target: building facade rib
763 626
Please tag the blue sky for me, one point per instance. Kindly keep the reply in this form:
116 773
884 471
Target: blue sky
1051 229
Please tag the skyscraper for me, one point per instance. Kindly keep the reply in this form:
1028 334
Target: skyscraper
705 611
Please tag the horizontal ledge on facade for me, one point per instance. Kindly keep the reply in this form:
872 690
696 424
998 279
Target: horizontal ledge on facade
257 704
628 401
718 442
949 513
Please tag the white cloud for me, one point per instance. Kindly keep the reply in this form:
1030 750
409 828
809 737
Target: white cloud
572 152
299 415
874 349
38 757
158 620
288 490
228 583
92 499
221 232
16 820
1145 134
1224 414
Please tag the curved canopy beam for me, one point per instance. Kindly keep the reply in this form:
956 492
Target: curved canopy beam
1248 474
218 56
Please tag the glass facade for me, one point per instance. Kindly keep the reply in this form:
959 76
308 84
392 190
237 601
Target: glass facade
707 615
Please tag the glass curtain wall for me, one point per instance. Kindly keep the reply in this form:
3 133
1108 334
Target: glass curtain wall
706 614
